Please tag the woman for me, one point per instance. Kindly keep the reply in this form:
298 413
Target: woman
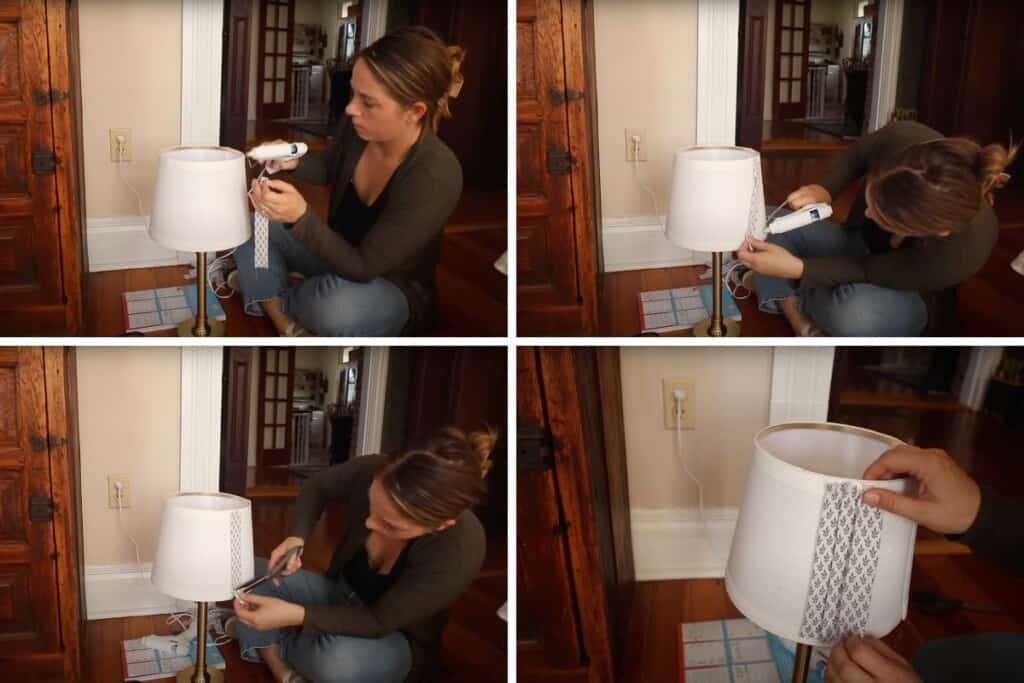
922 224
410 547
368 268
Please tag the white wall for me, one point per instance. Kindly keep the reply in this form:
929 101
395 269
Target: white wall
129 407
731 404
646 53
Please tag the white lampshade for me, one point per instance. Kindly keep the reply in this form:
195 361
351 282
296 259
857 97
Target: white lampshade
716 197
200 202
205 547
810 561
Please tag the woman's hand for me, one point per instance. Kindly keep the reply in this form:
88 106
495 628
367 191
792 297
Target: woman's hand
264 613
277 200
947 498
867 660
808 194
290 165
294 563
770 259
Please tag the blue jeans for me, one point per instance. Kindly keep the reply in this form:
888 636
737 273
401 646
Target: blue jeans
324 303
853 309
325 658
979 658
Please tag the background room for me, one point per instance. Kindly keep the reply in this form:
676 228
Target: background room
256 422
647 547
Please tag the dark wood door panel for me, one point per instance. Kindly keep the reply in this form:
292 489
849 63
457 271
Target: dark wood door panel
30 259
28 582
274 59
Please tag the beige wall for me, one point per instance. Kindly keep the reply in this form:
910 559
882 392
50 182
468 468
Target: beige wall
129 405
732 399
646 78
131 78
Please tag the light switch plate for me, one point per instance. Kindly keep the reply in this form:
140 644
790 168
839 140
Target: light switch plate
689 405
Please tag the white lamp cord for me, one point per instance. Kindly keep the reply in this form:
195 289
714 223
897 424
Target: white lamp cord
120 160
682 460
120 522
636 176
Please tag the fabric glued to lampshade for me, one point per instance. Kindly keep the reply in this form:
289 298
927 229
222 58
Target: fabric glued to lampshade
810 561
200 201
716 199
205 549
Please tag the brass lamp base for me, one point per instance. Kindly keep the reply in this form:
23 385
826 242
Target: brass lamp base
187 328
802 664
703 329
189 676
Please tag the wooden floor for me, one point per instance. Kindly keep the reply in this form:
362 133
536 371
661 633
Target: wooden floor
475 640
991 303
981 444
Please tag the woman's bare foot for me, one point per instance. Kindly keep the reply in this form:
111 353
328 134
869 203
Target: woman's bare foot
281 671
285 326
801 324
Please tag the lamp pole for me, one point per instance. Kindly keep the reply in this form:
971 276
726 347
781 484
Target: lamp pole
802 664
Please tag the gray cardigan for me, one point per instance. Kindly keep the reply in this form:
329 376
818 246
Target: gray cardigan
438 567
404 245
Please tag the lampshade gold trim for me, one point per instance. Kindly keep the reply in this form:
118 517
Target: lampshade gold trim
213 494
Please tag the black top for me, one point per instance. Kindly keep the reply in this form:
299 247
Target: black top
351 218
364 579
996 534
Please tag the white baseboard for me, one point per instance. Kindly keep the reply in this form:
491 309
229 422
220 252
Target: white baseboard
123 243
672 544
114 591
639 244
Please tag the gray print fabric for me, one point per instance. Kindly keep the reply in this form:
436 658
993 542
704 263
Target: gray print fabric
844 566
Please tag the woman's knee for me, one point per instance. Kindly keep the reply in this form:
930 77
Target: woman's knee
357 660
867 311
330 306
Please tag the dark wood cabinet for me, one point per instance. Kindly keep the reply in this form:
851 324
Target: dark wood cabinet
41 246
556 161
575 558
40 596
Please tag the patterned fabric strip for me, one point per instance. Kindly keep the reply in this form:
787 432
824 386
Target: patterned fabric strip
844 566
261 236
756 217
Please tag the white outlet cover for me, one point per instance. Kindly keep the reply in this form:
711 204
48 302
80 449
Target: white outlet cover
668 386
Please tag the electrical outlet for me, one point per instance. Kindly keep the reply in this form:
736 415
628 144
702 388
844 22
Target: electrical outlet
126 499
126 153
638 132
689 405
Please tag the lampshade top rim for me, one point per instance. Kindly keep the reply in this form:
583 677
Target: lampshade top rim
752 153
180 501
886 439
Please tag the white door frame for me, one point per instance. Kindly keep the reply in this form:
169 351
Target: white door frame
373 392
202 381
718 23
801 383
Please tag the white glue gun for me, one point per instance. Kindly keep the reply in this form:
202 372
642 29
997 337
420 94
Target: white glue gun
281 151
805 215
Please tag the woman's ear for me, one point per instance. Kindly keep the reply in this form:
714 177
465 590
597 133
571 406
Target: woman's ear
418 111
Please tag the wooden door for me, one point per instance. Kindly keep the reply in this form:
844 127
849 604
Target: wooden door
753 48
234 99
30 248
274 406
234 453
557 248
274 60
30 631
792 32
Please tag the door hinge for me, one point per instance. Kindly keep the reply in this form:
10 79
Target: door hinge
39 444
54 96
56 441
559 160
44 162
41 509
534 447
560 97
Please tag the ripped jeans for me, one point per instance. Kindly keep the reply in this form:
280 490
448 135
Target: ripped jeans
325 658
853 309
324 303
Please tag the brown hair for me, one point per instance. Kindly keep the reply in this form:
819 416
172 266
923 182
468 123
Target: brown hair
938 185
435 482
414 65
